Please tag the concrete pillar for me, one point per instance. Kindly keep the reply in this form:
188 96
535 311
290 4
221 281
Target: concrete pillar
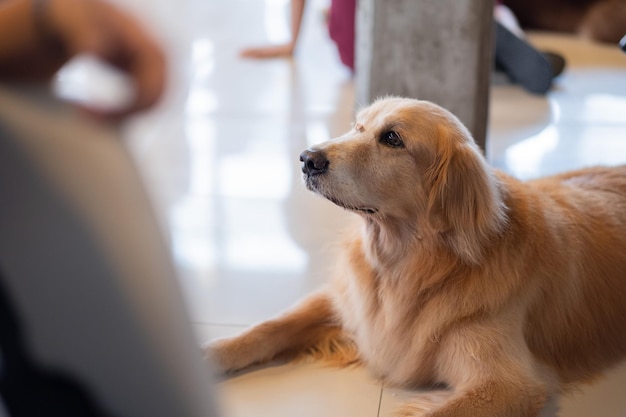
436 50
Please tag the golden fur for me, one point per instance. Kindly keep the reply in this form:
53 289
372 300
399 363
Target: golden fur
503 291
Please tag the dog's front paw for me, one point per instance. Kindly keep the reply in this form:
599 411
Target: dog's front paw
225 356
423 404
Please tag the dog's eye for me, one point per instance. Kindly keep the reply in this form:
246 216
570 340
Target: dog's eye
392 139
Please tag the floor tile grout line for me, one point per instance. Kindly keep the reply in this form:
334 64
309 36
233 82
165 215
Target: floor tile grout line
204 323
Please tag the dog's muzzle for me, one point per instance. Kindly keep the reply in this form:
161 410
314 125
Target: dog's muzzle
314 162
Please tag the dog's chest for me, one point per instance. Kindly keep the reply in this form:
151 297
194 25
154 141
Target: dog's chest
386 328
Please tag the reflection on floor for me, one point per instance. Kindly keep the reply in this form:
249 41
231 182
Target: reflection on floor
220 157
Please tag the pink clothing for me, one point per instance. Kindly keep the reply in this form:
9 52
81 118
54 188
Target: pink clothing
341 29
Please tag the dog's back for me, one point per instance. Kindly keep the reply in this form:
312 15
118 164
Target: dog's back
577 322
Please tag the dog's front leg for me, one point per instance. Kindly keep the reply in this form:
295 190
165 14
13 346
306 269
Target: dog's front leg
491 371
495 399
308 323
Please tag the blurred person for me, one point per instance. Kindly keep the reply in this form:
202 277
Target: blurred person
38 36
534 70
520 61
340 18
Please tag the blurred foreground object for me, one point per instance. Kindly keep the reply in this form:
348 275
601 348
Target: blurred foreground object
38 36
87 271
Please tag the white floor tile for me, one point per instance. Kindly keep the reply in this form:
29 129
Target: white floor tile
208 332
302 389
305 390
603 398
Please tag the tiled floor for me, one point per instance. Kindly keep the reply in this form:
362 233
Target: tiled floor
220 157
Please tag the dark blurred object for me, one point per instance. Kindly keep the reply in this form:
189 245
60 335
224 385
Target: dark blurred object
622 43
557 62
28 389
523 64
599 20
98 325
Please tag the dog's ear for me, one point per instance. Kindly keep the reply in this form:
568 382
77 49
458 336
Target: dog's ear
464 201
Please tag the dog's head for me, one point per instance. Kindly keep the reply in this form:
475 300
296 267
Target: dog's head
413 163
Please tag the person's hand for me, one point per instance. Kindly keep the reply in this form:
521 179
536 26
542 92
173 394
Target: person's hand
98 28
265 52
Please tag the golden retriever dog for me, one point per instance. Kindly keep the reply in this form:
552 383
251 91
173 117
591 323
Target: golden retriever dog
503 292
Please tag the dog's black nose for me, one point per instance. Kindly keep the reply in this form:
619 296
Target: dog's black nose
314 162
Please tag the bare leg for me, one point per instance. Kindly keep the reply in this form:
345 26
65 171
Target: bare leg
310 327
